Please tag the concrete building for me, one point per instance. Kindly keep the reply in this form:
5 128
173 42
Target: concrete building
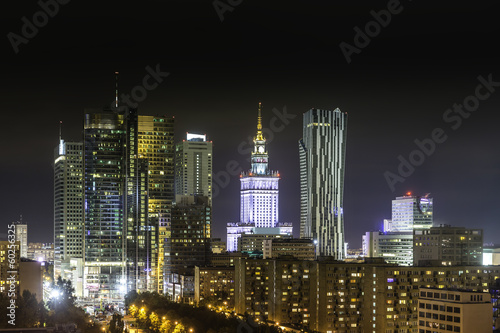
322 164
301 249
331 296
255 242
214 285
218 245
443 311
393 247
259 196
226 259
446 245
193 166
189 243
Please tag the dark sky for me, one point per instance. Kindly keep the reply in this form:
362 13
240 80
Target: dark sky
285 54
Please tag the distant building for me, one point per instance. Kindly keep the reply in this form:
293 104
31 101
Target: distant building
491 255
22 237
214 285
193 166
322 152
259 197
448 245
41 251
394 247
411 212
226 259
255 242
7 265
301 249
218 245
443 311
189 243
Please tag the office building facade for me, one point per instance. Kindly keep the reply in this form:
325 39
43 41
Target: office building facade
447 245
68 206
393 247
322 163
411 212
193 166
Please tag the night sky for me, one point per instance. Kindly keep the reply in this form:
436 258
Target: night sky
396 89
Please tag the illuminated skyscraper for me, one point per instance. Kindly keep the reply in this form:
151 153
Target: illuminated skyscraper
322 162
156 144
258 197
68 206
104 188
193 166
411 212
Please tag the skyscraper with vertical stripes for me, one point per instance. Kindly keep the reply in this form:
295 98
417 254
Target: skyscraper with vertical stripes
322 164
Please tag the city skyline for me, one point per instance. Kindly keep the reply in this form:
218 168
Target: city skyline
396 90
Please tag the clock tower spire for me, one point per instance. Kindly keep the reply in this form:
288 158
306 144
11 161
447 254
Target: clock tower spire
260 157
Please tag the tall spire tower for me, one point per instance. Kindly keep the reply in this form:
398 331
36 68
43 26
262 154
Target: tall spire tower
259 195
260 158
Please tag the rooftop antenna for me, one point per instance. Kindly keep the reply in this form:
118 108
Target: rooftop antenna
60 130
116 89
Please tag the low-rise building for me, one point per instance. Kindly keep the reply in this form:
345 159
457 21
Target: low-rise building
443 311
302 249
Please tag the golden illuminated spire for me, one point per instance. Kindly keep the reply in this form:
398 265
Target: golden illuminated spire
259 124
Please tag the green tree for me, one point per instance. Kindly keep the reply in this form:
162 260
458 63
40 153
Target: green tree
116 324
166 327
179 328
155 322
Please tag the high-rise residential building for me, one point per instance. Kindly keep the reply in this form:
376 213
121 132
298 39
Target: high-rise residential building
259 194
156 144
68 206
22 237
214 285
322 163
193 166
447 245
189 242
394 247
331 296
411 212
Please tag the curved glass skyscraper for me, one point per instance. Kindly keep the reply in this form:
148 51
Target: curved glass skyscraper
322 163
